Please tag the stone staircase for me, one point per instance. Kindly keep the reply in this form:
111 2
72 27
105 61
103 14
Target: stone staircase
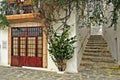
96 55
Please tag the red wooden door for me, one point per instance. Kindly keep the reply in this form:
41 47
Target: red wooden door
27 47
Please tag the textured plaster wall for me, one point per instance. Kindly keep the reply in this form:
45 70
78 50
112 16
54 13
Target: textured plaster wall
112 36
82 35
72 63
82 38
118 41
4 47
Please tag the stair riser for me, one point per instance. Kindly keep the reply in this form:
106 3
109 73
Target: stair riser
97 45
97 55
97 60
97 66
89 47
96 51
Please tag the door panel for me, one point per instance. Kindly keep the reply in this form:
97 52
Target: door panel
22 61
15 54
31 61
39 47
39 61
31 47
22 46
15 46
15 61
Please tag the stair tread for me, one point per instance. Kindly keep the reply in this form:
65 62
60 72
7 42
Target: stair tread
96 51
99 63
96 44
96 54
99 55
94 47
93 59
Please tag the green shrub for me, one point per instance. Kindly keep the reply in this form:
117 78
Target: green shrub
61 46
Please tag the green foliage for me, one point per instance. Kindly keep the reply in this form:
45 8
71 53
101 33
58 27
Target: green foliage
50 8
115 12
60 45
3 8
3 21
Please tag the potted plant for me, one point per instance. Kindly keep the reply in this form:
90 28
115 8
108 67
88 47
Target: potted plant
61 46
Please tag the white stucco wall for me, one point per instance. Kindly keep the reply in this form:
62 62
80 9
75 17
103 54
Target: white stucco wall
82 38
82 34
4 47
72 63
118 41
112 36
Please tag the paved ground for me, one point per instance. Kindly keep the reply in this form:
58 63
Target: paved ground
100 74
14 73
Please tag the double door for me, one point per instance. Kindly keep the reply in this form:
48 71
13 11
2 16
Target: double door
27 47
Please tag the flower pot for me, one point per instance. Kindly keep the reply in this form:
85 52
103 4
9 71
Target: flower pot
61 65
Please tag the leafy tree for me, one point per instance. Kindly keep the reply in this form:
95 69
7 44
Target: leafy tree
61 46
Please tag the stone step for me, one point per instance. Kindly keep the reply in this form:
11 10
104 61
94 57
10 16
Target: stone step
95 35
95 50
95 47
98 59
98 65
96 39
98 45
97 54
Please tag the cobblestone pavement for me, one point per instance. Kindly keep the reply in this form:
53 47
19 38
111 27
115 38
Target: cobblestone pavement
17 73
100 74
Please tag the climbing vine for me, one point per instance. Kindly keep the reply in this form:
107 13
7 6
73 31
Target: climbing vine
52 9
115 12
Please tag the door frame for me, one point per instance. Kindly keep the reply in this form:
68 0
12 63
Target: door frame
29 24
32 60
